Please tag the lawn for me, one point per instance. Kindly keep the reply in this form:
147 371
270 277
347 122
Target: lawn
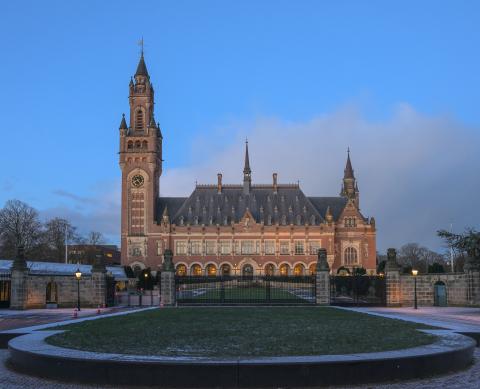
242 332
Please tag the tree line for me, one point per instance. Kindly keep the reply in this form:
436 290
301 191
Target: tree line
20 225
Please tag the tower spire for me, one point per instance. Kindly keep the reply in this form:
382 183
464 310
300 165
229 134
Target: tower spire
349 187
247 172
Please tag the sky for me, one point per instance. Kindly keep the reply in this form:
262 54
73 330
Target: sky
395 81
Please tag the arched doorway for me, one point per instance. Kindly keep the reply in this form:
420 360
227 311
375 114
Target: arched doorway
196 270
225 269
51 293
247 270
284 269
298 270
440 294
312 269
211 270
181 270
269 269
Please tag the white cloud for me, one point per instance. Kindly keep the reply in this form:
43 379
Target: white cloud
416 173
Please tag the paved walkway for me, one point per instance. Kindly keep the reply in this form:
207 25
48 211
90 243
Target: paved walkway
459 319
10 319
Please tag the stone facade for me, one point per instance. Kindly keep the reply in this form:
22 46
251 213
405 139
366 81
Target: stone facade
230 229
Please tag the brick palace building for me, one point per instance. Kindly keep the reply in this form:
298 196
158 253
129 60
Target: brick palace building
230 229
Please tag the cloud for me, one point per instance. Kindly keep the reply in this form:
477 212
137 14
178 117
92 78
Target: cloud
416 173
72 196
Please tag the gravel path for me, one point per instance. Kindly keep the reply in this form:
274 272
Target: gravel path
466 379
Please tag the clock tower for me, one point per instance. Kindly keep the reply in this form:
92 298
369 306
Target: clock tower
141 165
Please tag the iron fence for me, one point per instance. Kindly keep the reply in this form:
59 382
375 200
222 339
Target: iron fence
245 290
358 290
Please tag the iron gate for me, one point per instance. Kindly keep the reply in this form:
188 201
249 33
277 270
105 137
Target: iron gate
358 290
5 285
232 290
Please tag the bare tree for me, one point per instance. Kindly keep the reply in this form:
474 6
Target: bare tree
56 231
95 238
19 225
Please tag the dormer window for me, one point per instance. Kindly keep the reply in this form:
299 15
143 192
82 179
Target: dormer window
139 119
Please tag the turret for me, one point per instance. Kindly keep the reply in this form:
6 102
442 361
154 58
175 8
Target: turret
350 186
247 172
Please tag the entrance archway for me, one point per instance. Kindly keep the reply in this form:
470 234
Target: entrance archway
247 270
440 294
225 269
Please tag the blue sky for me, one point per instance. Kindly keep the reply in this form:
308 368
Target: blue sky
364 74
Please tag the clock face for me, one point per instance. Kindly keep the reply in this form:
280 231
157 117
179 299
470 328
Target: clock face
137 181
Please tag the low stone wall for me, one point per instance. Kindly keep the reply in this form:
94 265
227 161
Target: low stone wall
462 289
66 291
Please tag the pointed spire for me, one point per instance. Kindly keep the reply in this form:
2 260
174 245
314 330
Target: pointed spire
247 178
348 173
123 123
246 169
152 121
141 68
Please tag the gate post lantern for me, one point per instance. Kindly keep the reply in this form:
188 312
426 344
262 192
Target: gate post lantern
167 283
78 276
322 279
415 273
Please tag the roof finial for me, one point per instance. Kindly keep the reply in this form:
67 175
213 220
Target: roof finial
140 43
141 68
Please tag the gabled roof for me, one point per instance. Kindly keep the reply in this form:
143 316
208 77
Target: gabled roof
206 206
336 204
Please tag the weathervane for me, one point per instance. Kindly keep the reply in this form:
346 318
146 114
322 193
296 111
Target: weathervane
140 43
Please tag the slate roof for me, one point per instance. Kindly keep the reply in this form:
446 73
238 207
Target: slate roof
288 205
59 269
141 68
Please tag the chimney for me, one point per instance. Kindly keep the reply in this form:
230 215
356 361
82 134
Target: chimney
219 183
275 185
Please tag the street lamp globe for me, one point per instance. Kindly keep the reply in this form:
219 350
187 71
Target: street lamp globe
78 274
414 272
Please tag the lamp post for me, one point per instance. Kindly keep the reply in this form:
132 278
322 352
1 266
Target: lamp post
414 273
78 275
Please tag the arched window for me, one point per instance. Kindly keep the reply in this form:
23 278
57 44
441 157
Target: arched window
196 270
139 119
269 270
350 257
284 270
138 144
130 145
145 145
51 293
181 270
312 269
211 270
225 270
298 270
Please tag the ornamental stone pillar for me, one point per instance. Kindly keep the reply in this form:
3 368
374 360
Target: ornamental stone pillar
322 279
392 277
167 280
19 278
99 281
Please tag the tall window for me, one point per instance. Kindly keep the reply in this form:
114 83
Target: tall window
181 247
225 247
210 247
196 247
248 247
314 247
284 247
350 222
139 119
350 256
269 247
299 247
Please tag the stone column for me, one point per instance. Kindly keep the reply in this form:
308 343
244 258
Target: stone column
322 279
167 280
19 287
392 274
99 274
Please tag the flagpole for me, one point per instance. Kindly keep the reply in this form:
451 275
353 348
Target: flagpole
66 244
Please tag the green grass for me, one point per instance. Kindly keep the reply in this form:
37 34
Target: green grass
242 332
